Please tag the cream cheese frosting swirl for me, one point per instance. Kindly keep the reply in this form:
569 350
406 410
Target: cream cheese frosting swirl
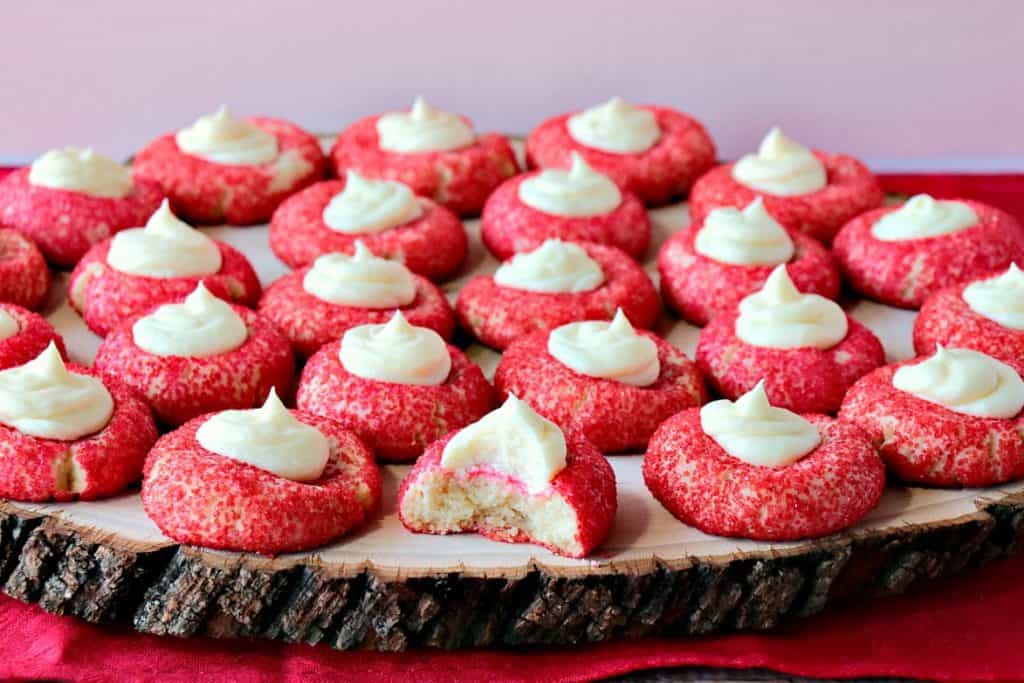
754 431
923 216
607 350
781 167
553 267
166 247
615 126
750 237
270 438
223 139
81 170
42 398
201 326
779 316
362 280
999 298
580 191
964 381
513 440
366 206
8 325
396 352
423 129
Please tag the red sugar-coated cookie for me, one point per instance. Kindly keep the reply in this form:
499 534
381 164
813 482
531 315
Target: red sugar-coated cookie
509 226
615 417
33 336
434 245
396 420
24 276
206 192
459 179
106 297
202 498
828 490
851 190
94 466
946 319
179 388
582 495
906 273
65 224
699 288
498 315
925 443
804 380
667 170
310 322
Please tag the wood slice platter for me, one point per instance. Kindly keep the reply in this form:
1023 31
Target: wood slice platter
388 589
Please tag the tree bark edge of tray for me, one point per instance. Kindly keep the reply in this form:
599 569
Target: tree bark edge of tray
182 591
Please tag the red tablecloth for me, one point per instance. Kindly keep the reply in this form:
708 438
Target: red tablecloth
969 627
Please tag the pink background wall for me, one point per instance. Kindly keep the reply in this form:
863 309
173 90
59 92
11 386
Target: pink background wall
910 80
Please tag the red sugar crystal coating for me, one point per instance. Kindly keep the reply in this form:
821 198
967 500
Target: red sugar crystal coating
396 420
698 288
459 179
24 276
509 226
923 442
851 190
498 315
179 388
615 417
828 490
33 336
434 245
64 224
105 297
309 322
906 273
206 192
202 498
93 466
804 380
587 484
665 171
946 319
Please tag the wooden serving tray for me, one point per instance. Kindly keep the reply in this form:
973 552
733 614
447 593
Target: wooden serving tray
386 588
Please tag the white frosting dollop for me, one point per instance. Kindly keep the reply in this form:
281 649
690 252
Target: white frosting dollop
423 129
609 350
999 298
513 440
779 316
8 325
361 279
781 167
201 326
750 237
396 352
615 126
366 205
553 267
223 139
269 438
756 432
42 398
166 247
580 191
964 381
81 170
923 216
